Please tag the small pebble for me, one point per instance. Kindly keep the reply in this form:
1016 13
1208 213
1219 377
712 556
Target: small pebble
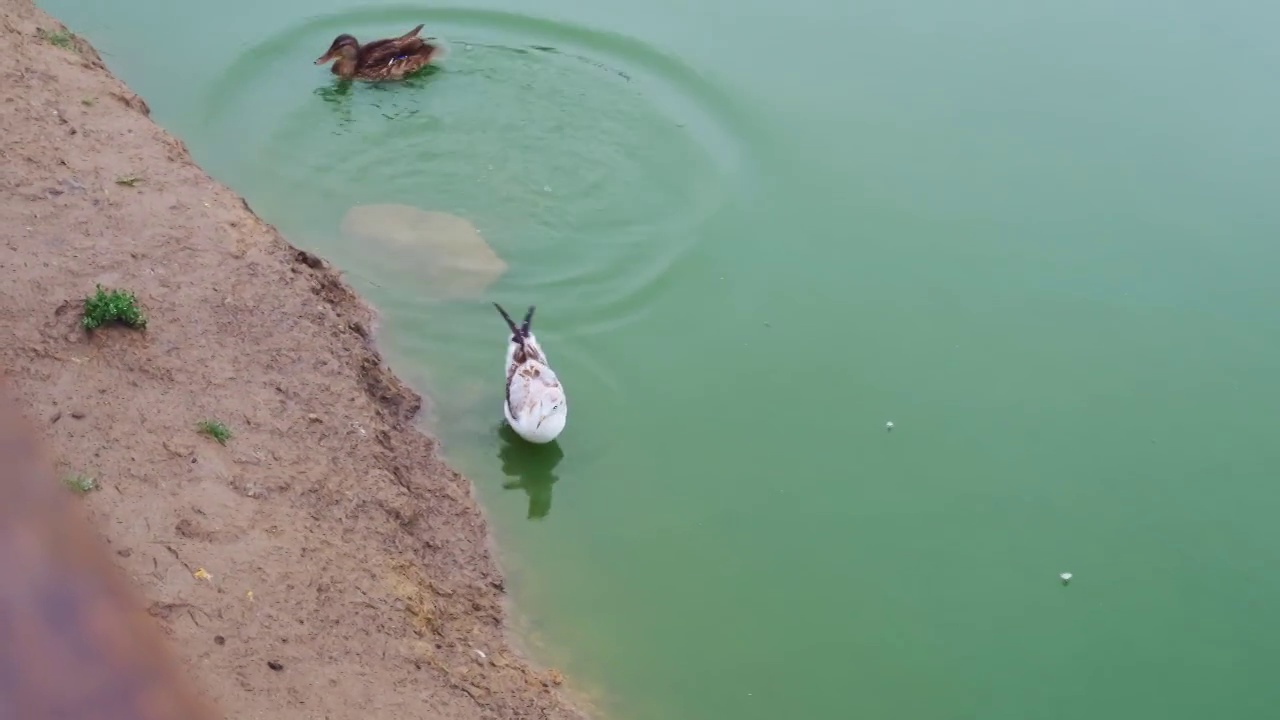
219 640
275 665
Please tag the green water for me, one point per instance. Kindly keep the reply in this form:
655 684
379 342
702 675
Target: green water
1038 237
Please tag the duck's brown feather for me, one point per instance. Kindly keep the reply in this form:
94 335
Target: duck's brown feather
386 59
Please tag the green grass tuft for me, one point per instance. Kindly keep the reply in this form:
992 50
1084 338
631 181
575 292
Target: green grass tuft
80 484
215 430
129 180
59 38
107 306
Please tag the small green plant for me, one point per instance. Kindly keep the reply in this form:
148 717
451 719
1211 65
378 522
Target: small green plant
215 430
80 483
129 180
58 38
106 306
87 102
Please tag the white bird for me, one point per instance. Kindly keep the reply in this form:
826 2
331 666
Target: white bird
535 404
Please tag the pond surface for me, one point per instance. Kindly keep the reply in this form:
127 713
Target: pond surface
1040 238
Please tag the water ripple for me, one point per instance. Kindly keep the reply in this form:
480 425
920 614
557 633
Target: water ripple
591 162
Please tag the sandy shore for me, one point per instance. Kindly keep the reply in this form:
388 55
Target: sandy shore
337 545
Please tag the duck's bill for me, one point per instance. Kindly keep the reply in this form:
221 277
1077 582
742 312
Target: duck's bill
324 58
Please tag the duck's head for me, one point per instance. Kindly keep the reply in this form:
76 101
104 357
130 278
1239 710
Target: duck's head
342 45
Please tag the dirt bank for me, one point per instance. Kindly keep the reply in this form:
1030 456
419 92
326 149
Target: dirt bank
337 546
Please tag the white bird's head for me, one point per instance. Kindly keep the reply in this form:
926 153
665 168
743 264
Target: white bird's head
553 413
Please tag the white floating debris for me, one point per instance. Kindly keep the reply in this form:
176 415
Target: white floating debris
1066 578
888 425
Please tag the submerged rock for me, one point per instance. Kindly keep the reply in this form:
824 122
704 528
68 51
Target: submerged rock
445 251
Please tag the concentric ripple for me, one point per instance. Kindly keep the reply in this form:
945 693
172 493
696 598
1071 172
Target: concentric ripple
588 160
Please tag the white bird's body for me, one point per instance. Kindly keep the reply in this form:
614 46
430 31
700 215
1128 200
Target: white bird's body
535 405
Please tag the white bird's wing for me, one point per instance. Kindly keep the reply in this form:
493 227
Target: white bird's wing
526 384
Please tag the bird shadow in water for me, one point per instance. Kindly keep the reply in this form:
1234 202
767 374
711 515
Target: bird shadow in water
532 467
339 93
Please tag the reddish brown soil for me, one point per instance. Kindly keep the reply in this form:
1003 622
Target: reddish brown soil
338 547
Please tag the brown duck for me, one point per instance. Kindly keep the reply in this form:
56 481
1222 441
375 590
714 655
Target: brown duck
387 59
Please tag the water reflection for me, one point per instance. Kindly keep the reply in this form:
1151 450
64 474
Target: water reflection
339 94
531 466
